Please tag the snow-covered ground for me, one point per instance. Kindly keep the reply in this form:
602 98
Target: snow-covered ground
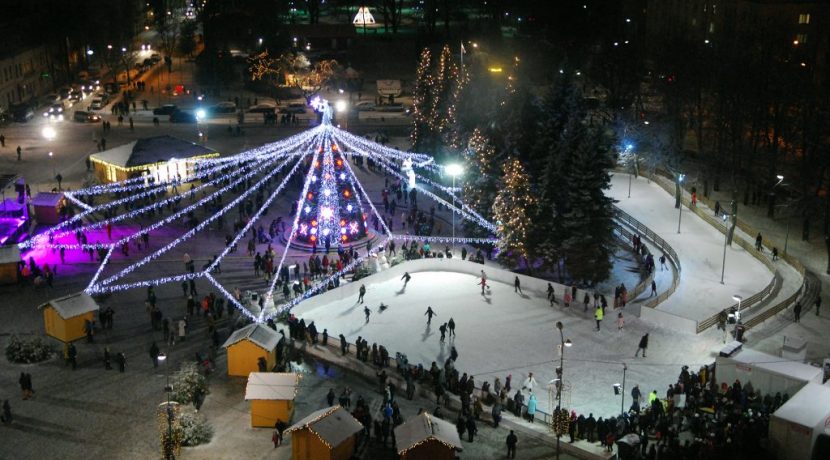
699 247
507 333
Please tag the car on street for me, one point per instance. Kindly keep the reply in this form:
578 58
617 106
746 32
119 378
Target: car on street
85 117
99 101
90 86
365 106
50 99
54 112
223 107
166 109
181 116
21 113
76 95
262 108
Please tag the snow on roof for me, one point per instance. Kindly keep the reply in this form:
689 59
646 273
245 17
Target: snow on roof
423 427
272 385
72 305
809 407
150 150
777 365
47 199
333 425
262 336
9 254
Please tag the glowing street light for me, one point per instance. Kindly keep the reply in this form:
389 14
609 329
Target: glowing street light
679 199
49 134
201 114
341 105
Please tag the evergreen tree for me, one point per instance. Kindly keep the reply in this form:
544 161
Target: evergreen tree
446 90
422 102
481 182
513 209
587 220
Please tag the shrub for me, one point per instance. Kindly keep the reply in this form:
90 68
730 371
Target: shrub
195 429
186 382
32 350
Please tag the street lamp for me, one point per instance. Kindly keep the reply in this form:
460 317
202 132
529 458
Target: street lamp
168 446
771 207
454 170
617 385
679 199
48 133
737 315
725 240
560 373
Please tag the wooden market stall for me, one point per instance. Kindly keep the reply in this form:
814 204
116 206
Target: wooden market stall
425 437
245 346
47 207
160 158
64 318
272 397
327 434
9 264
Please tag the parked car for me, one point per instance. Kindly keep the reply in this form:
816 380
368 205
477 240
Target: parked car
166 109
365 106
223 107
85 117
21 113
262 108
180 116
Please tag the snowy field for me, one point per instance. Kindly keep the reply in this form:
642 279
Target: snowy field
507 333
700 249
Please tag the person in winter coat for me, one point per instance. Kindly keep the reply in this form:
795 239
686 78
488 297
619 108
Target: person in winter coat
362 293
643 345
512 440
461 425
330 397
472 430
531 407
566 299
598 315
529 382
496 414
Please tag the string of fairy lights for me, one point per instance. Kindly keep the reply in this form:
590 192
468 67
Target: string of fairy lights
252 171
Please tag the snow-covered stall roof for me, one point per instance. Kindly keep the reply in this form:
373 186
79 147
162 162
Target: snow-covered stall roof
150 150
775 364
272 385
259 334
333 425
48 199
808 407
72 305
424 427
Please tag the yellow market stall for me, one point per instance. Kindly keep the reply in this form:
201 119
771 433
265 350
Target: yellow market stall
272 397
9 263
64 318
425 437
245 346
327 434
159 158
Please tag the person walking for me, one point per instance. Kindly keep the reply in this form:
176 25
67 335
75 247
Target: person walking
19 152
598 315
122 361
344 346
451 326
517 286
362 293
429 314
642 346
759 240
511 442
154 354
620 321
797 312
73 356
653 288
367 312
472 429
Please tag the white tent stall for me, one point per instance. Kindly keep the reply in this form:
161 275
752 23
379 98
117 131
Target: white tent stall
767 373
800 429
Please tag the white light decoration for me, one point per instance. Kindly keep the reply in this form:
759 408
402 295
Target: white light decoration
169 201
363 17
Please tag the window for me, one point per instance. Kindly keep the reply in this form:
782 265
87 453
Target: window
801 38
804 18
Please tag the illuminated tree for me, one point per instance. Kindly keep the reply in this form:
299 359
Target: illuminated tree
512 209
481 183
422 101
436 96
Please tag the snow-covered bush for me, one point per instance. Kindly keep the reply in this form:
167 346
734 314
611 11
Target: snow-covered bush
195 429
32 350
186 383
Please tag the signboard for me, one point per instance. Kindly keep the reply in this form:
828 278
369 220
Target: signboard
743 367
389 87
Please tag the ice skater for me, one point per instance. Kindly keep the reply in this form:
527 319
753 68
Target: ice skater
653 288
663 263
483 282
598 314
382 307
406 279
517 286
642 346
362 293
551 295
367 312
443 330
451 325
429 314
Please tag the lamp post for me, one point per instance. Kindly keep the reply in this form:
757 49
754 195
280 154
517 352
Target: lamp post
622 402
560 372
168 445
725 240
737 315
454 170
771 207
341 106
679 199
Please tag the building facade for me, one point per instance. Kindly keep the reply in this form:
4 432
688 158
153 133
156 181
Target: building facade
24 76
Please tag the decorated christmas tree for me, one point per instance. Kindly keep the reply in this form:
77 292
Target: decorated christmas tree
481 178
513 208
422 102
